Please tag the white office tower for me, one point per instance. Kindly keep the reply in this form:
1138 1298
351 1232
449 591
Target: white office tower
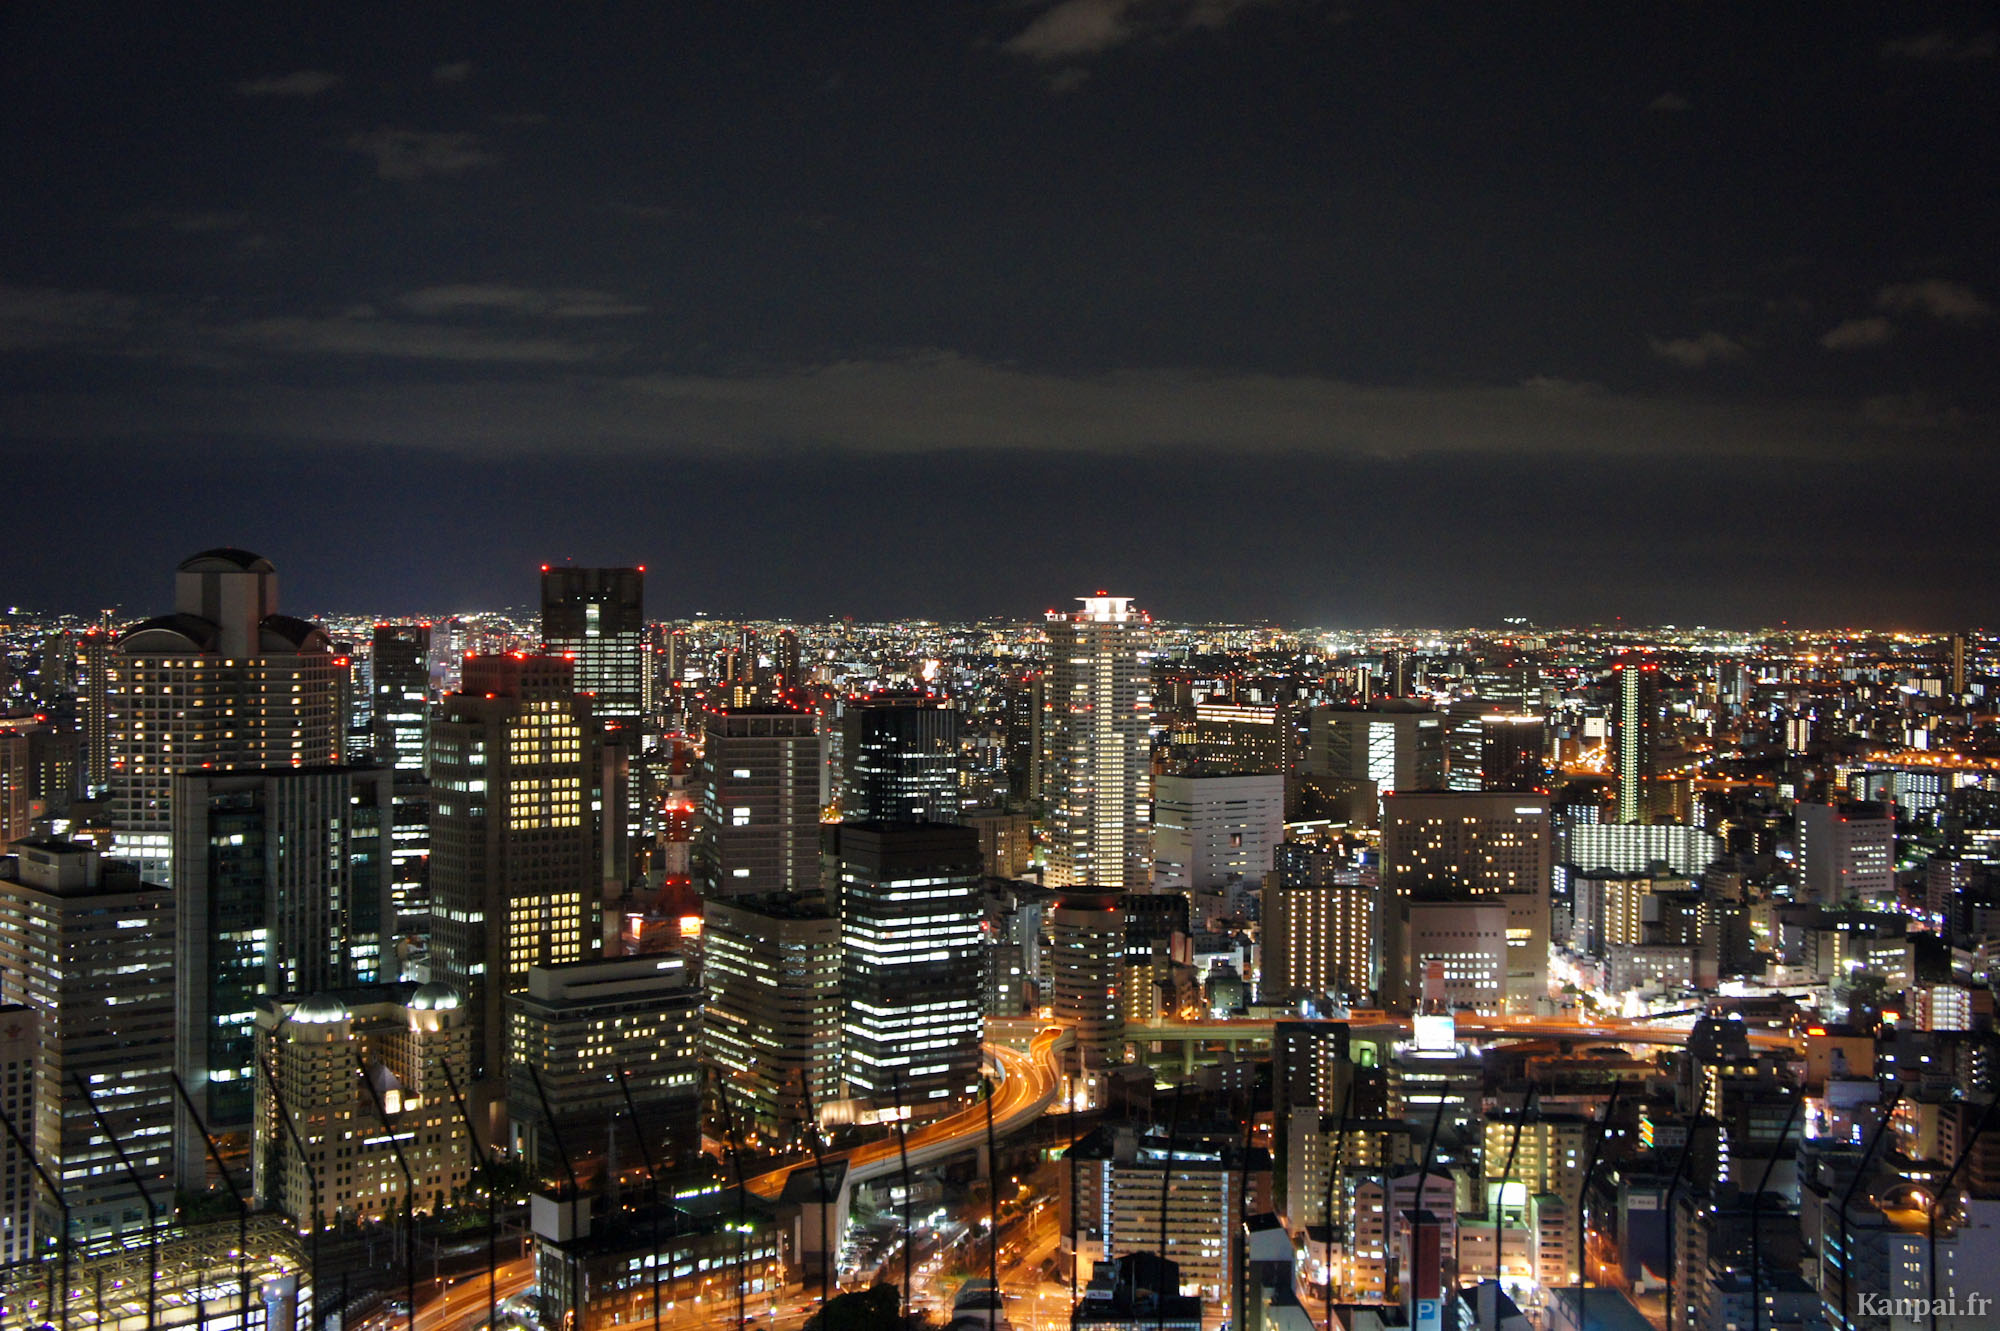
1100 710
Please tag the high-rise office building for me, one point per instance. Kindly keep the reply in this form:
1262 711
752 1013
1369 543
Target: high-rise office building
758 827
1452 846
1635 848
1634 736
89 947
517 845
899 759
93 706
1023 700
1209 831
223 683
1319 927
588 1026
1100 712
1510 753
597 618
772 1025
1845 852
1245 736
1085 958
400 683
1391 746
911 972
17 783
787 673
282 885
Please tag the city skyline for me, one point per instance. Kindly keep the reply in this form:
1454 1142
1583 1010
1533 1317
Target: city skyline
1293 310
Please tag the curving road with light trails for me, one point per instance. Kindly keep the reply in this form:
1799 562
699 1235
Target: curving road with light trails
1029 1084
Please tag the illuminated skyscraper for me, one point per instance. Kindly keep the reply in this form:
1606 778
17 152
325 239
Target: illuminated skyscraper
1086 958
223 683
758 829
400 674
1396 746
1319 927
1024 699
787 672
1459 847
1510 753
93 705
910 963
597 617
517 849
899 759
771 965
1210 831
400 667
283 884
89 947
1100 710
1635 730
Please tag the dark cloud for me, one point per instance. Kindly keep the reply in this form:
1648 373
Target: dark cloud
1854 334
1706 348
502 298
1952 302
408 154
301 83
1945 47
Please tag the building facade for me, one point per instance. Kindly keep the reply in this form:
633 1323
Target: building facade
911 970
584 1028
517 837
1099 715
283 884
899 759
225 682
757 831
88 946
401 1037
771 1030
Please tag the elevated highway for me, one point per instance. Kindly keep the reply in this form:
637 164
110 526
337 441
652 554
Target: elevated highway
1029 1084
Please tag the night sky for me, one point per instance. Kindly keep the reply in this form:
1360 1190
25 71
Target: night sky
1327 313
